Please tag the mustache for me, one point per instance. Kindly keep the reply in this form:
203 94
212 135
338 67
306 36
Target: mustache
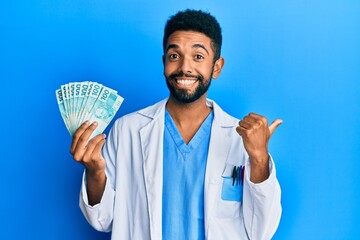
175 75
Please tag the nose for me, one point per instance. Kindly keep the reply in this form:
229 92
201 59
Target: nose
185 66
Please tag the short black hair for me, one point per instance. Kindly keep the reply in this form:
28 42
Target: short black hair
198 21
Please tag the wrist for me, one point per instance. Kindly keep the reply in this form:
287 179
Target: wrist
259 168
260 160
95 186
95 175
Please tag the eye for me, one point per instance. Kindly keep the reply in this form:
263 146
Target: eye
199 57
173 56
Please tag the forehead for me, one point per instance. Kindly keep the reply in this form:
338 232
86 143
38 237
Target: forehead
188 38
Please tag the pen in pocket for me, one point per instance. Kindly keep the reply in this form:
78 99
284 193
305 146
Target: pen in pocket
238 175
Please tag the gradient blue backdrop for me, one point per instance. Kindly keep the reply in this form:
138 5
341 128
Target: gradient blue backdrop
298 60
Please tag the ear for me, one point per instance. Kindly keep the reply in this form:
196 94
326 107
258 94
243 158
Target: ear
218 67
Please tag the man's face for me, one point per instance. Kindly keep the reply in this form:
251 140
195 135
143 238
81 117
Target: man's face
189 66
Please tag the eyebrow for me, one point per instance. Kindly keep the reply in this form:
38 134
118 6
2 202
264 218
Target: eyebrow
196 45
172 46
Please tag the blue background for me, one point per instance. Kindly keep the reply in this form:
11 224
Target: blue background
298 60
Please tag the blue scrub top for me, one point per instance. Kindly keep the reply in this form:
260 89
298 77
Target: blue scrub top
183 181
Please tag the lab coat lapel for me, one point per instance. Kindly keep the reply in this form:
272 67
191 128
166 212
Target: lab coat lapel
152 149
218 153
219 144
219 149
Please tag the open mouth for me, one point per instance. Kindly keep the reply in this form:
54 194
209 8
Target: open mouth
185 82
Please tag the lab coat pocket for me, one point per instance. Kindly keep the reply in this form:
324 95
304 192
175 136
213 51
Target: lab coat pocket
231 191
224 209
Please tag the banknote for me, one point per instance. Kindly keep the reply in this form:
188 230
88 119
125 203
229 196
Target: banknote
64 95
70 100
60 101
81 101
94 93
77 86
80 92
104 109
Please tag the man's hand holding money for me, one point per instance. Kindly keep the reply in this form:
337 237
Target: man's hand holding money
93 106
88 153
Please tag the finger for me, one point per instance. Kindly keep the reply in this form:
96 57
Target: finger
250 118
274 125
252 122
258 117
88 155
82 142
98 148
77 135
84 138
245 124
241 131
255 115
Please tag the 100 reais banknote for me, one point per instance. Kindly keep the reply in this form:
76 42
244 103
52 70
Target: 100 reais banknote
81 101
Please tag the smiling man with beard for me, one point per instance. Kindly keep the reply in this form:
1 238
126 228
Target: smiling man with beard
182 168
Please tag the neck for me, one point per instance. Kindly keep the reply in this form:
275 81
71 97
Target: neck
188 117
183 113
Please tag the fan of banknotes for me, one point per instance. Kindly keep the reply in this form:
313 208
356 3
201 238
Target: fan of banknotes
81 101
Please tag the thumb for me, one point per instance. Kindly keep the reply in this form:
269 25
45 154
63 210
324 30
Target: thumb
274 125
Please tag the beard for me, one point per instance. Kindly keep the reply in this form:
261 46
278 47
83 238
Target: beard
183 95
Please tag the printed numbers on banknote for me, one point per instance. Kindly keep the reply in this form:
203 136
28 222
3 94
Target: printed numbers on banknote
81 101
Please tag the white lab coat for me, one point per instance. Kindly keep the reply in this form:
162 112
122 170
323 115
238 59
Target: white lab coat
131 206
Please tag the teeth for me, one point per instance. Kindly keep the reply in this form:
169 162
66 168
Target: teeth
186 82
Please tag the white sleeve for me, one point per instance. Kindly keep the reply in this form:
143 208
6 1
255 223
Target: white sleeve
261 204
100 215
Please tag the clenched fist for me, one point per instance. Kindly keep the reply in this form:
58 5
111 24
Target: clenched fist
256 132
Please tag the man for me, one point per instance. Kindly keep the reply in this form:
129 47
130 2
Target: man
182 168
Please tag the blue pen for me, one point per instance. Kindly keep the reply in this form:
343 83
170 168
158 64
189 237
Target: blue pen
239 175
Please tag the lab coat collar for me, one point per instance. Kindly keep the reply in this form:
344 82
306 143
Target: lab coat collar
220 117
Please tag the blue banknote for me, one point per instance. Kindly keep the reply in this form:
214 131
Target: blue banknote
81 101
